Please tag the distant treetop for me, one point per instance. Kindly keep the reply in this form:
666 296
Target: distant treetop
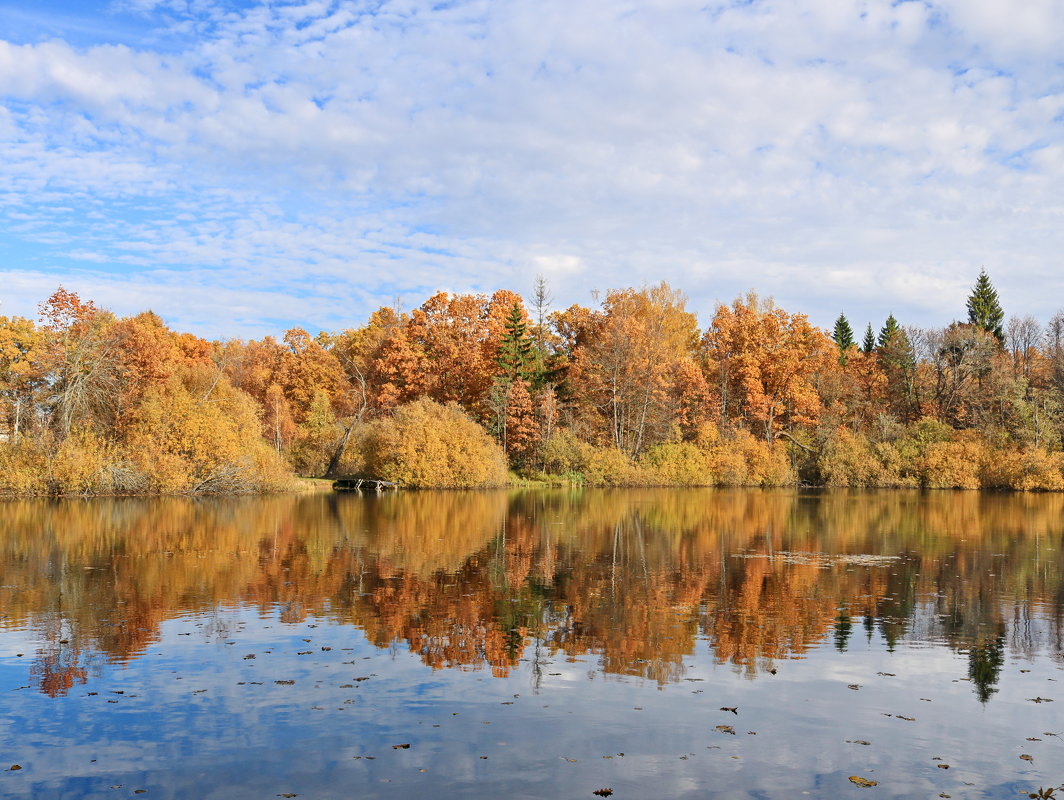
984 308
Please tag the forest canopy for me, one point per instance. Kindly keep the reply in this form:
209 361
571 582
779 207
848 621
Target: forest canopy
466 387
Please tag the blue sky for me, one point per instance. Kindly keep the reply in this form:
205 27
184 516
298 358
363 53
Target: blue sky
241 167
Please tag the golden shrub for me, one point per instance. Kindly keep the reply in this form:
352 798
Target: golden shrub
563 453
850 459
741 459
608 466
428 445
678 464
951 465
1033 469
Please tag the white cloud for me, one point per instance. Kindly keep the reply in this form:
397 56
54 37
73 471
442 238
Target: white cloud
861 154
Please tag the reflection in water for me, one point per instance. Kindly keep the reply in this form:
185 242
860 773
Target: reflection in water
481 580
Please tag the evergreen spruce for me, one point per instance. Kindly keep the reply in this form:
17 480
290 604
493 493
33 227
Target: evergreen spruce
843 337
869 343
886 333
517 356
984 309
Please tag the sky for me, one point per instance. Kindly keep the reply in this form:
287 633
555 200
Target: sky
244 167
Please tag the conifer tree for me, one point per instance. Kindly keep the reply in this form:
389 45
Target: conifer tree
886 333
843 337
869 343
516 357
984 309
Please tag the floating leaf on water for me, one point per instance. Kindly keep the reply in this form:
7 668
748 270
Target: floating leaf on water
603 792
907 719
284 683
887 674
726 729
404 746
732 709
854 686
859 781
1026 757
15 767
1040 699
943 766
857 741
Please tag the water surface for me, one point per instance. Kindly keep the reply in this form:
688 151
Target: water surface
540 644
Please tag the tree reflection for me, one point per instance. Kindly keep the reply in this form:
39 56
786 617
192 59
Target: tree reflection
632 579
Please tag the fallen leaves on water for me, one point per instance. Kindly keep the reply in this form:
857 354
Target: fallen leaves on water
404 746
887 674
943 766
284 683
857 741
1026 757
907 719
15 767
726 729
854 686
857 780
1040 699
732 709
603 792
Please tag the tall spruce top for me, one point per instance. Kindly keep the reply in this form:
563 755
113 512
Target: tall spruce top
984 309
843 337
886 333
869 343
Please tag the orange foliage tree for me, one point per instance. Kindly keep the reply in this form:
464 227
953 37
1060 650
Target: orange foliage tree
764 362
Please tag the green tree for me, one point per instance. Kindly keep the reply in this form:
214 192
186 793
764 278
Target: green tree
869 343
843 337
984 309
516 358
887 332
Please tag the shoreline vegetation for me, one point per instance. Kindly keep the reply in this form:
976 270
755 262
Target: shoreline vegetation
470 391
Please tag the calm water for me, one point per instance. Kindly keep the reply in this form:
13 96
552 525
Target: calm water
538 645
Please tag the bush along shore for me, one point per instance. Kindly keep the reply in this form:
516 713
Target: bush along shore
484 391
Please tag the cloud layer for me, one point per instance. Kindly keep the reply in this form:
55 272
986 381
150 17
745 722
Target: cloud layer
241 167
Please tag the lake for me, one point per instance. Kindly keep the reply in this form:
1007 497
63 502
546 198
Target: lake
539 644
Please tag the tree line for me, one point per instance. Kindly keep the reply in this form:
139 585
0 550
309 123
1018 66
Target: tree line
468 389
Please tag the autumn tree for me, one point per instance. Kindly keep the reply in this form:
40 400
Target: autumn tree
625 361
81 361
22 349
764 361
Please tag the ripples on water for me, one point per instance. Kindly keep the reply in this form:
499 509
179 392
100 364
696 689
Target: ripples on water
541 644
